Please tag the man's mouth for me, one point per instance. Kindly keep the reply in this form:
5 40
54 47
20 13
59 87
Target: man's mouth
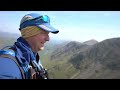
42 43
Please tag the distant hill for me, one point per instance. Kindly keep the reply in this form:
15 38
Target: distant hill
91 42
7 38
8 35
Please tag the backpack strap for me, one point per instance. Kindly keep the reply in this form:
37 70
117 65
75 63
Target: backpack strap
15 60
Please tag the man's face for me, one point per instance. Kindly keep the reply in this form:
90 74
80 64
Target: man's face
41 39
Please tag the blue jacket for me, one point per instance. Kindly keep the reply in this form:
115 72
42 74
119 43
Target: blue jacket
8 68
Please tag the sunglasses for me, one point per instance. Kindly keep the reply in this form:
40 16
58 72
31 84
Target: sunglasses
35 21
44 18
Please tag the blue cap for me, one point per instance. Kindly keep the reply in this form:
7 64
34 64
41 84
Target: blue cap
41 21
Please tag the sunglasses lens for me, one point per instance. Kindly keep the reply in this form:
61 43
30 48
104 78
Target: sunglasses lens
46 19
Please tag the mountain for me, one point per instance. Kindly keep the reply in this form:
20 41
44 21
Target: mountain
91 42
102 60
77 60
68 50
57 62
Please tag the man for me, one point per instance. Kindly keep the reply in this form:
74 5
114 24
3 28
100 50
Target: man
21 61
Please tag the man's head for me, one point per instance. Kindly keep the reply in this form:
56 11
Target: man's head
35 29
41 21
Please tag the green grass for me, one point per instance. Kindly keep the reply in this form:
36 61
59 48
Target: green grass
58 69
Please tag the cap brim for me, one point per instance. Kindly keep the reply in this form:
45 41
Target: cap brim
47 27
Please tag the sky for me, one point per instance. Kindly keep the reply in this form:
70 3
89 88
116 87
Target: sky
72 25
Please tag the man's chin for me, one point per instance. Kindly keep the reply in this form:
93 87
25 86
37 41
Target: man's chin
41 49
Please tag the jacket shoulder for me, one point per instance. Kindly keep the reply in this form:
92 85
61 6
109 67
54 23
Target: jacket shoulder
9 69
